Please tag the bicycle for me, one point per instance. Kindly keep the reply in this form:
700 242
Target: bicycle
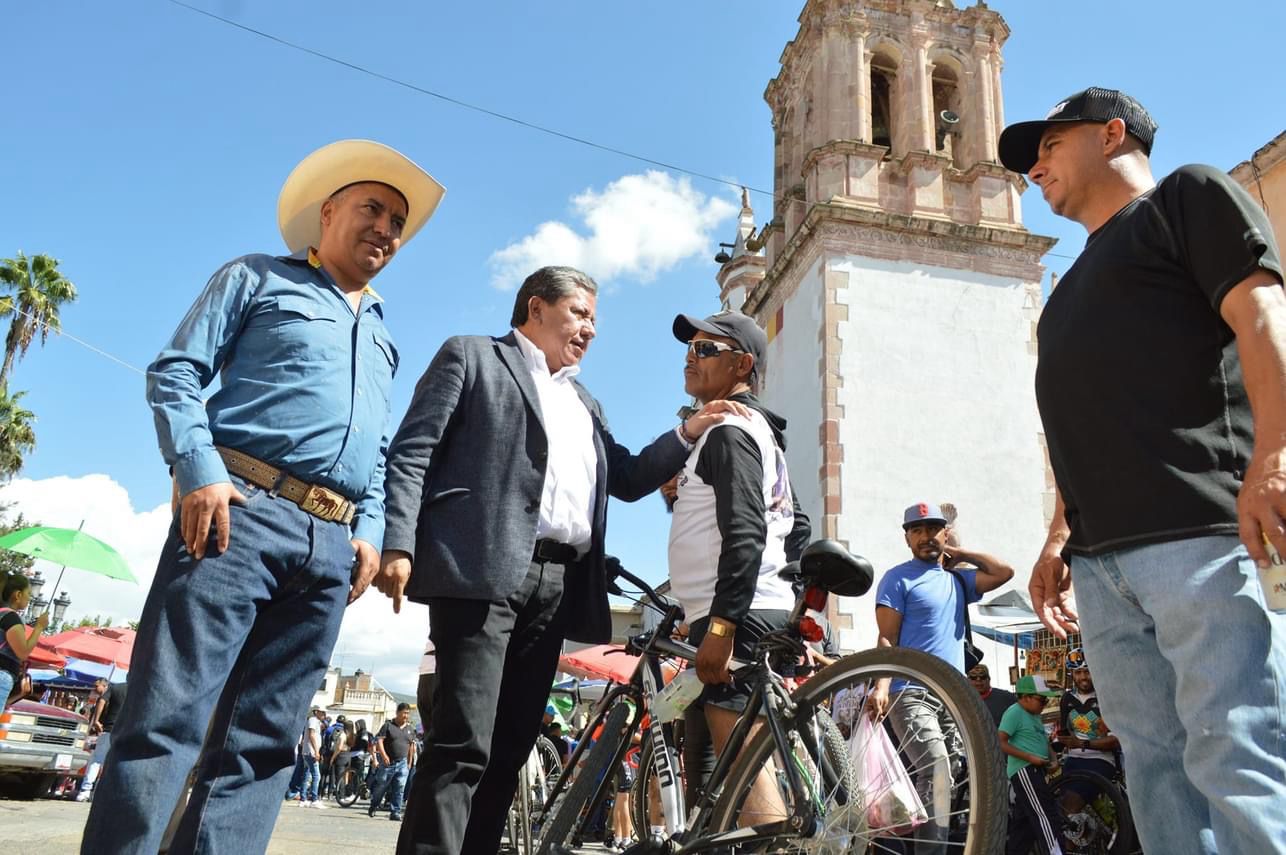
535 780
352 784
824 805
1103 825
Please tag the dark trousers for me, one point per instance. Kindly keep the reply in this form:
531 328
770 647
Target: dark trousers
495 664
1034 821
424 698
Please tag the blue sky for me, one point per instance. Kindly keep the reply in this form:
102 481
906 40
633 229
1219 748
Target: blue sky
146 145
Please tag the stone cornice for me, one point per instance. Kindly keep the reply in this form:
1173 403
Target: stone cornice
922 159
990 169
904 164
842 228
861 149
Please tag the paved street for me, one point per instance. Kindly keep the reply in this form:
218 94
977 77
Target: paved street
52 827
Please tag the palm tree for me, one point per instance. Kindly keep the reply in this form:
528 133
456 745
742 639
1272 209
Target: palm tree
38 290
17 437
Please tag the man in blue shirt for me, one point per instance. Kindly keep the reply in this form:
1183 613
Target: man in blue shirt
920 605
280 518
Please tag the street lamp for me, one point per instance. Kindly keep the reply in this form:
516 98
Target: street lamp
36 606
60 607
37 582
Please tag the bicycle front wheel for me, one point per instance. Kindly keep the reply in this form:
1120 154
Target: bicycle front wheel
941 778
585 782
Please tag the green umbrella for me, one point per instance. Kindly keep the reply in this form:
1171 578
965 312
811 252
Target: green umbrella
70 548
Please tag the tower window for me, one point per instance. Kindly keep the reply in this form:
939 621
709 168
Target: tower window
946 111
883 78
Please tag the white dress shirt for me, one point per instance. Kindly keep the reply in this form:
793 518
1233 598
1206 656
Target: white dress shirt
567 499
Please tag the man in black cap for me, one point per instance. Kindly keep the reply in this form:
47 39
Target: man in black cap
1154 346
735 524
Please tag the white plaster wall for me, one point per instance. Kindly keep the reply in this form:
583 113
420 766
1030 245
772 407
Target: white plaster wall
939 406
793 390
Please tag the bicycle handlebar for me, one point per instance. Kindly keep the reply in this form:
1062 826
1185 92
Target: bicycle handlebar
655 600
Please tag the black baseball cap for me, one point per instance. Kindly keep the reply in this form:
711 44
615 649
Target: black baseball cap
1020 143
734 325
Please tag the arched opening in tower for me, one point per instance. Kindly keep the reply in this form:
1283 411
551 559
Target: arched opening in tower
947 117
883 81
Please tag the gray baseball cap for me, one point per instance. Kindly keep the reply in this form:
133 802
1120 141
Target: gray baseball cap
739 327
923 512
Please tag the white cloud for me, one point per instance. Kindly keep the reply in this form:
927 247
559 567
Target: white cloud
372 638
638 226
109 516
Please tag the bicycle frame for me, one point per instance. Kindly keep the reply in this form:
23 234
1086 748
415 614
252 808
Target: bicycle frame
768 697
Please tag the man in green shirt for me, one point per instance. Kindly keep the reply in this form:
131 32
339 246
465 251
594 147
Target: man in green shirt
1034 819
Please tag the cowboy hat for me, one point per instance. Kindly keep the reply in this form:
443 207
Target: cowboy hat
339 164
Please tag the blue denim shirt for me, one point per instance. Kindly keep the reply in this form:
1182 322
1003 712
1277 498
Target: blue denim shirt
304 382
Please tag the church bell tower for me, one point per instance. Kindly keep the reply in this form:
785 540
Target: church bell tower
897 284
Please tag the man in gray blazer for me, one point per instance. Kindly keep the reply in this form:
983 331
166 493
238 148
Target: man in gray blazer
495 516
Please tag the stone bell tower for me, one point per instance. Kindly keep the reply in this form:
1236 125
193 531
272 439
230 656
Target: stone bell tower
897 284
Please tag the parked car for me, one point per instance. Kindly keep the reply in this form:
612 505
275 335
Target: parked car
39 744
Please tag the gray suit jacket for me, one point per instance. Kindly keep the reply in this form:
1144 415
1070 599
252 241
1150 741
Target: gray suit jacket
465 474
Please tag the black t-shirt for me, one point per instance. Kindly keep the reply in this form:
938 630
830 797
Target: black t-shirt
115 698
997 701
361 742
1138 382
8 660
397 740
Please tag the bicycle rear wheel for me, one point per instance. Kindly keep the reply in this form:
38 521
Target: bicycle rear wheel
1102 825
347 788
960 782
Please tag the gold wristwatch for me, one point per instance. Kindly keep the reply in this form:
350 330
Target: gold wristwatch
721 630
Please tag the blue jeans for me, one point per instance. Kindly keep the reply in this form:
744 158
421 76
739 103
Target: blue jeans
312 777
393 775
1190 669
235 644
6 686
296 788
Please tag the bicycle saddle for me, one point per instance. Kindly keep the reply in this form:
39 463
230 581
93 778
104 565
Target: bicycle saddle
829 566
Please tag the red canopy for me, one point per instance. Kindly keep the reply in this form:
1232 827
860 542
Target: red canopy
42 658
106 645
608 661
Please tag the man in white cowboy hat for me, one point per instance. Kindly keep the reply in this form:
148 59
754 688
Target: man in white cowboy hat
281 506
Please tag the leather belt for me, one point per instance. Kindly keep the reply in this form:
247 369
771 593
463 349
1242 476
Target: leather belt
553 552
312 499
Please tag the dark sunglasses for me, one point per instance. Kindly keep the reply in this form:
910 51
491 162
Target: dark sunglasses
704 348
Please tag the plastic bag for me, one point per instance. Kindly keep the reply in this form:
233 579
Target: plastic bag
886 788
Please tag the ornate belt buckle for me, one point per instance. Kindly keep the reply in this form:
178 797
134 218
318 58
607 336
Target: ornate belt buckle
322 503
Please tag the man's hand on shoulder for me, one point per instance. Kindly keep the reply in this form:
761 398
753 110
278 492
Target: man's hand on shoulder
203 507
395 572
366 563
712 414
